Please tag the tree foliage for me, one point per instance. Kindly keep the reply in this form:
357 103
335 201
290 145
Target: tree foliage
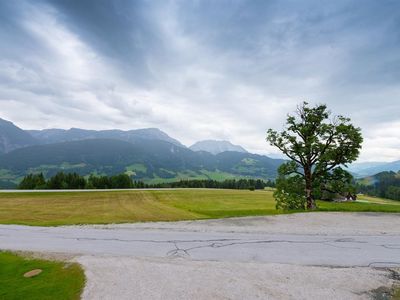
317 146
63 180
33 181
289 192
337 182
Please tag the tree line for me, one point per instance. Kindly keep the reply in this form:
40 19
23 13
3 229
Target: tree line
237 184
123 181
75 181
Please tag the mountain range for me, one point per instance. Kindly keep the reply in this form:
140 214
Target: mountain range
216 147
148 154
145 154
51 136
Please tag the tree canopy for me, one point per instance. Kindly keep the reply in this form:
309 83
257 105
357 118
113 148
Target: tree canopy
317 145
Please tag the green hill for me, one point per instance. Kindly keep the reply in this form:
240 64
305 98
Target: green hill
147 160
383 184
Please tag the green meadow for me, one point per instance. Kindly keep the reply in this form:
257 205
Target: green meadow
101 207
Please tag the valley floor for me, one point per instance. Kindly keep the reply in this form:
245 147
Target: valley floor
297 256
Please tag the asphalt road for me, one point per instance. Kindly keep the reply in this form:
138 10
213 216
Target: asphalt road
381 250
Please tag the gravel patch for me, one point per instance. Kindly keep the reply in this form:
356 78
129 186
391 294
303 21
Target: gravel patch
135 278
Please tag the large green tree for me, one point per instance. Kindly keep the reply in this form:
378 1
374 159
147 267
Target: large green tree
317 144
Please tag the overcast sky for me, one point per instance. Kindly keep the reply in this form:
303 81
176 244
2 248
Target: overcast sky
202 69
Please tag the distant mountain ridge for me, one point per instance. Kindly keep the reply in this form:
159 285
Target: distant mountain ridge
393 166
50 136
372 168
145 154
216 147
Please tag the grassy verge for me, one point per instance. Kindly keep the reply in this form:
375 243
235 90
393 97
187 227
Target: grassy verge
58 280
51 209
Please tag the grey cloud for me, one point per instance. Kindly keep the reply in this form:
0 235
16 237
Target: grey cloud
201 69
122 31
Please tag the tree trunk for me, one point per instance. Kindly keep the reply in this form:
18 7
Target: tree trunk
309 190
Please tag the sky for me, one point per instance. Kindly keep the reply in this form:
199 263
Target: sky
225 70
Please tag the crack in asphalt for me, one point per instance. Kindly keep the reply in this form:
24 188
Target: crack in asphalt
178 252
254 241
391 246
146 241
219 243
372 264
348 240
342 247
216 243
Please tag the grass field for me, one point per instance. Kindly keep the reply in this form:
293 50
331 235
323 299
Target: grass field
66 208
58 280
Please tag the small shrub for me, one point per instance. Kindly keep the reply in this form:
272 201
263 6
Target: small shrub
289 201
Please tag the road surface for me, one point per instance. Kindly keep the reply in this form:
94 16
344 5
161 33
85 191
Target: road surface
303 249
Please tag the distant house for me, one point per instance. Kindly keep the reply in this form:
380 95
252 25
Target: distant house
348 198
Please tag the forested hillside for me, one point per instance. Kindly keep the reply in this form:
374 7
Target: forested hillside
384 184
152 161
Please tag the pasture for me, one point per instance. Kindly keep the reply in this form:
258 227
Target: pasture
103 207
